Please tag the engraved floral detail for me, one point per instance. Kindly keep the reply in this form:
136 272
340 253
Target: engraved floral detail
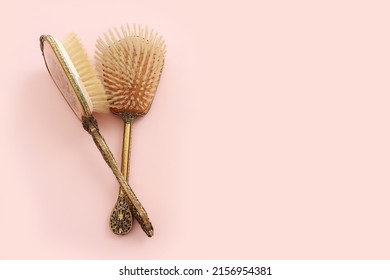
121 218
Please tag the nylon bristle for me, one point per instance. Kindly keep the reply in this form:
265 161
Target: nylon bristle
129 63
86 71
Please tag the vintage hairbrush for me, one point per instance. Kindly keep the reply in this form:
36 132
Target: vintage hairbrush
129 63
74 75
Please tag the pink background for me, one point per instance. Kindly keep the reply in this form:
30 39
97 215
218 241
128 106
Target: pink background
268 137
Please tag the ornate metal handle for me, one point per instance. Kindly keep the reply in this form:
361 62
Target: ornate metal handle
121 219
90 125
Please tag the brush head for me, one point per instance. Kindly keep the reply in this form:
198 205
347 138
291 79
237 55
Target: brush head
129 63
85 69
69 66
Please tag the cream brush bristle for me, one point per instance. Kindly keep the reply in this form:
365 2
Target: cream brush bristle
85 69
130 62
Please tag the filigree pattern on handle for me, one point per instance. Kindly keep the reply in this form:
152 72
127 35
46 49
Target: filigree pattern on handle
90 125
121 217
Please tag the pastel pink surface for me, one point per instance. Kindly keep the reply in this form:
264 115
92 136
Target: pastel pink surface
268 137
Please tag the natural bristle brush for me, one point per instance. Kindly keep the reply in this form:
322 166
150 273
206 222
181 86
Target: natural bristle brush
74 75
129 62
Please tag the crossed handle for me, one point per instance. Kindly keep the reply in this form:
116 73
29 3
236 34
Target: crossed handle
121 219
90 125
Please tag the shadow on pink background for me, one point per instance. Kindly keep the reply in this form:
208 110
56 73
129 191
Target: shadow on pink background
268 137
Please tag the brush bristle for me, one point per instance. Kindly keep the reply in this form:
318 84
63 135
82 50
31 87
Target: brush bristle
86 72
129 63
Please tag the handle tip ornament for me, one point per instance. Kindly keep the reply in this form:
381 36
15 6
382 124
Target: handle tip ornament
121 218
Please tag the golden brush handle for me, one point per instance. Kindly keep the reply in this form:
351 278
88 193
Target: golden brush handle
90 125
121 219
126 147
